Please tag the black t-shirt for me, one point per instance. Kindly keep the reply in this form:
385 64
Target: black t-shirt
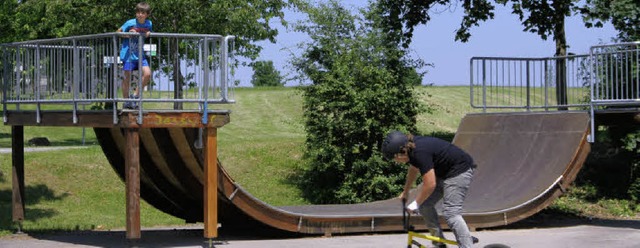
446 159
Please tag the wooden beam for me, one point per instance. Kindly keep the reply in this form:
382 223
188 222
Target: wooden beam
173 119
125 119
61 118
132 178
211 184
17 156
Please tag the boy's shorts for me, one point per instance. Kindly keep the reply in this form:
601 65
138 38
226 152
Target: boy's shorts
133 64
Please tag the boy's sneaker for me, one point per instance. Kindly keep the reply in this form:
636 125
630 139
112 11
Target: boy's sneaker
127 105
132 104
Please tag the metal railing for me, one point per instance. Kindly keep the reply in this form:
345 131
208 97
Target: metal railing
189 72
605 80
615 77
529 83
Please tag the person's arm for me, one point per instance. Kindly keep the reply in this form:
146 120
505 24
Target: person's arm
428 185
412 174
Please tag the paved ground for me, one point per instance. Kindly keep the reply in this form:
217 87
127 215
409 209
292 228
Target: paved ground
601 233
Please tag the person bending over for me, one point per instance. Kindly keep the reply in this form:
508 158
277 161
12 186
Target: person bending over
446 172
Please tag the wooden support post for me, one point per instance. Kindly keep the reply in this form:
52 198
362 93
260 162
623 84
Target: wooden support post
17 156
132 178
211 184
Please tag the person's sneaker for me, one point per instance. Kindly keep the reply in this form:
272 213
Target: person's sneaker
127 105
132 104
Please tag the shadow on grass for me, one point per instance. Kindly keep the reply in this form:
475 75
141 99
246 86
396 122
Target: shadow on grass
87 141
33 194
72 142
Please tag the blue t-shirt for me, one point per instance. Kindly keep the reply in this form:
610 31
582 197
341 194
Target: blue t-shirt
131 44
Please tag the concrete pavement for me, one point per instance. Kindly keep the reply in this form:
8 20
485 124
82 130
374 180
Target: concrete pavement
598 233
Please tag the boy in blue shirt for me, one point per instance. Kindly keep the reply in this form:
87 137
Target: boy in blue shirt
129 52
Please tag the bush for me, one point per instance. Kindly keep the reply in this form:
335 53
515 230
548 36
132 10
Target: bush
359 92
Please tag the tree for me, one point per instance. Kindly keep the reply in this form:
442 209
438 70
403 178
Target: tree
623 14
625 17
7 12
545 18
265 74
359 91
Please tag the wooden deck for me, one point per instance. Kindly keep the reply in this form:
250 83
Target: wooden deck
131 124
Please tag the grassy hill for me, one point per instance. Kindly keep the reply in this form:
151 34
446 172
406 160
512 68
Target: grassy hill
262 145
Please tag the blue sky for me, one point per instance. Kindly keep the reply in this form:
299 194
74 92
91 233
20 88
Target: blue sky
434 43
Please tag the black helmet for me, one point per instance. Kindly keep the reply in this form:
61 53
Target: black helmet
393 143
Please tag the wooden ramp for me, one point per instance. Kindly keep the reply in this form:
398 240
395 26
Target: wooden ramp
525 161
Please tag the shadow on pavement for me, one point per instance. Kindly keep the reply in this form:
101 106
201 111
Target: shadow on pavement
166 237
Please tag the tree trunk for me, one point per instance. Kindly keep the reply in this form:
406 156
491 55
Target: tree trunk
561 51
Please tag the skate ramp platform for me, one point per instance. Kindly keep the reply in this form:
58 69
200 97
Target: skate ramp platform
525 161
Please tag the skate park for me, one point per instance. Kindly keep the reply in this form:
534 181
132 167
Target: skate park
178 171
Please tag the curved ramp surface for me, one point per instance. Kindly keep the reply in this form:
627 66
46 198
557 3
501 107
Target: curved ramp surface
525 161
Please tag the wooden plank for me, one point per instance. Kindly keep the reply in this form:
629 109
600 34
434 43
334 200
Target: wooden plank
17 155
173 120
126 119
132 178
61 118
211 184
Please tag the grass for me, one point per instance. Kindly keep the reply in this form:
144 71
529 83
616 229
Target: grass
76 189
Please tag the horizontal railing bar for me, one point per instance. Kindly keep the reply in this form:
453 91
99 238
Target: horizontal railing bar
112 34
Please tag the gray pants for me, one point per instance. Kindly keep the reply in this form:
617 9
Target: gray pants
452 191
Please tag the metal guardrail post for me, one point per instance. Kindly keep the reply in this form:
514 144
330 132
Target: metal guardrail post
5 82
484 85
76 80
528 86
36 83
139 86
592 72
471 80
205 102
224 69
114 85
